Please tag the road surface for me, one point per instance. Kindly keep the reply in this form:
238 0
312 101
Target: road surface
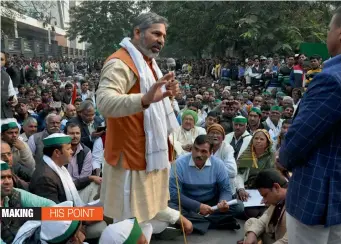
211 237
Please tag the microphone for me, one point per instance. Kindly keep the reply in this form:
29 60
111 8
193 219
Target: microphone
171 64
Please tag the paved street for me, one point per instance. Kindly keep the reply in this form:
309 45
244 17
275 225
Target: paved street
212 237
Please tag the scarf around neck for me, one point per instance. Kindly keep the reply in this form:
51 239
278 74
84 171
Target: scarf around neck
69 187
159 118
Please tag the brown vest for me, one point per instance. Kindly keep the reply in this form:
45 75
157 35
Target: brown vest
125 135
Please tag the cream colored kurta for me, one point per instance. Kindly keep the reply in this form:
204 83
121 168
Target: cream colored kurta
181 137
127 193
226 154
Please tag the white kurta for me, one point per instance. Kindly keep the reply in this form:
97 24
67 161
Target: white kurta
181 137
225 153
128 193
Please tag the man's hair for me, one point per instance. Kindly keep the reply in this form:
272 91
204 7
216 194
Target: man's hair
68 85
287 121
194 104
48 151
84 81
78 100
213 114
85 106
50 116
44 91
265 107
337 18
268 177
203 139
30 120
70 125
315 57
144 21
189 96
288 106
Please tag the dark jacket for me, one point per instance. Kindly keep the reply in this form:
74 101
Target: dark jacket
6 111
85 134
311 150
14 73
46 183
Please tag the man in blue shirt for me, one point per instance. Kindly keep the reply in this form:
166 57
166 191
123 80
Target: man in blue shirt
312 151
203 183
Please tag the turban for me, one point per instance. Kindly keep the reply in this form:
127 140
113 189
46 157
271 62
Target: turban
4 166
240 120
276 108
190 112
256 110
8 126
216 127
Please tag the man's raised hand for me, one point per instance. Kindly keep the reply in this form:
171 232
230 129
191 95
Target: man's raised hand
155 94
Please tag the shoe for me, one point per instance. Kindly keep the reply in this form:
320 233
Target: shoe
169 233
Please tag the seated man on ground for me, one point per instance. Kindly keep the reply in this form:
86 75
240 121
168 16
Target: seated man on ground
23 160
223 151
204 183
30 127
212 118
15 198
61 231
21 179
126 232
271 226
35 142
240 138
80 167
184 136
53 181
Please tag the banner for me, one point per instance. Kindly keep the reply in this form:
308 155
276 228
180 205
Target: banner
54 213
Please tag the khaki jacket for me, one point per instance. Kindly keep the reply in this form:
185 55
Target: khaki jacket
263 231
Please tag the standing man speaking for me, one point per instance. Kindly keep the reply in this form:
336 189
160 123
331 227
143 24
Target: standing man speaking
312 151
133 96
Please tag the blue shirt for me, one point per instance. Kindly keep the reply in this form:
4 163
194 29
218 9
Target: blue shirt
312 150
199 185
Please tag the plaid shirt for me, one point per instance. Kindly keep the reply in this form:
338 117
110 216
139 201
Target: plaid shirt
312 151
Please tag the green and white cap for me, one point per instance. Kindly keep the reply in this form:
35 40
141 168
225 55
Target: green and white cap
124 232
276 108
240 120
56 139
61 230
4 165
9 125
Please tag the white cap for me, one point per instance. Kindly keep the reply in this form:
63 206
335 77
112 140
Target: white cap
119 232
61 230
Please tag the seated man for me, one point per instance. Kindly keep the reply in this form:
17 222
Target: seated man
53 181
21 179
62 231
30 126
15 198
80 167
20 150
88 121
223 151
35 142
212 118
240 138
271 226
203 182
184 136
